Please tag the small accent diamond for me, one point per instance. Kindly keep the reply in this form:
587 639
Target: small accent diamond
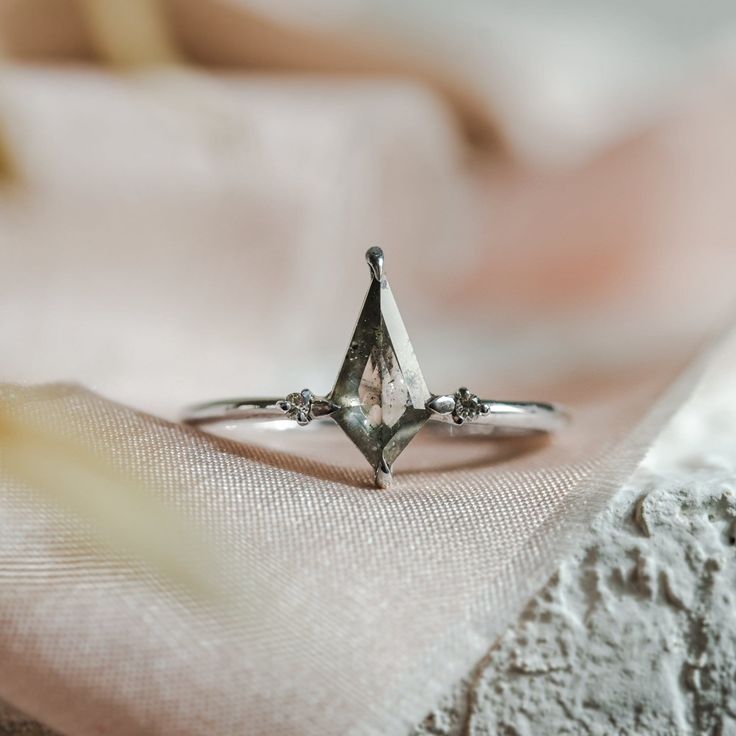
467 407
298 406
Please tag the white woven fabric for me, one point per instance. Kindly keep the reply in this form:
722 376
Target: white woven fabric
355 596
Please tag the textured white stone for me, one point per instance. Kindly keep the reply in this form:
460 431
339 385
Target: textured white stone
636 633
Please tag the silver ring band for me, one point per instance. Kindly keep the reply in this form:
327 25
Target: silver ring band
495 418
380 398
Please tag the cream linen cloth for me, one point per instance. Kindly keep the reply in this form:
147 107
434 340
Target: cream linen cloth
178 236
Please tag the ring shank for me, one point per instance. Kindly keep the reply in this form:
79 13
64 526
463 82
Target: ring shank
260 409
503 417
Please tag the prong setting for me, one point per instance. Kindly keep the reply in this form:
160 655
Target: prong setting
468 406
298 406
383 476
444 404
461 407
323 407
374 257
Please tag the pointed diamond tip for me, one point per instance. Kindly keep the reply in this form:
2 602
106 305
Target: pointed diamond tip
383 476
374 257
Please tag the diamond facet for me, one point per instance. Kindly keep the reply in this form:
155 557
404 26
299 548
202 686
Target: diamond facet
380 391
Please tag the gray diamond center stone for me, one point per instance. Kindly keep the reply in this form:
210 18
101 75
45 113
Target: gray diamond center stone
380 392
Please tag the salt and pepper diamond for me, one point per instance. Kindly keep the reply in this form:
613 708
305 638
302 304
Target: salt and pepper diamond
380 398
380 392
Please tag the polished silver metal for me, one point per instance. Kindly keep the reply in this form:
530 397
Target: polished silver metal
380 398
497 418
374 257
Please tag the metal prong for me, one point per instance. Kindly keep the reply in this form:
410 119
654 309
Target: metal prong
383 474
374 257
441 404
323 408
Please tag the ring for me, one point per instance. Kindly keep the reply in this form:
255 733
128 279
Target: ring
380 398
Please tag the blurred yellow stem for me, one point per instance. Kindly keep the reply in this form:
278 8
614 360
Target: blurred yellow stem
123 516
8 165
130 33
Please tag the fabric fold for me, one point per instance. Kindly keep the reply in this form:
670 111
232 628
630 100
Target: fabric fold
366 604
